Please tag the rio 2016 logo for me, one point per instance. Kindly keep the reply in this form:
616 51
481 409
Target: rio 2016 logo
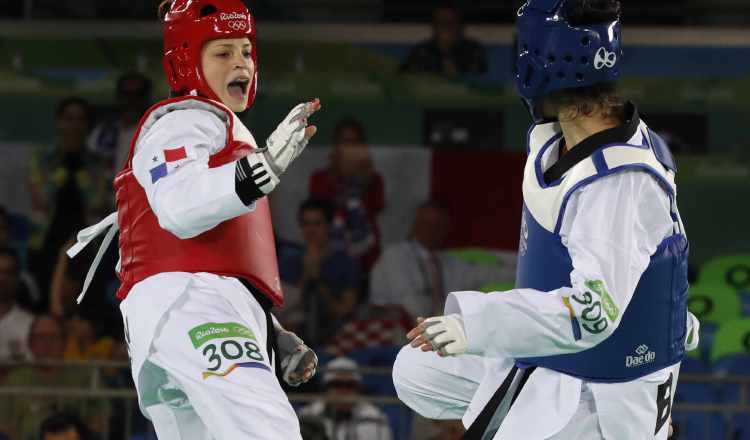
237 20
232 16
237 25
604 58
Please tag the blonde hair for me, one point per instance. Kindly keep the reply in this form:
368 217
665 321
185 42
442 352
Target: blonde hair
599 99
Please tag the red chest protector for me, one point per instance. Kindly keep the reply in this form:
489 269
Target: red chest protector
241 247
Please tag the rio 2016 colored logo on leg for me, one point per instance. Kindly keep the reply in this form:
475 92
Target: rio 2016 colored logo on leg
227 344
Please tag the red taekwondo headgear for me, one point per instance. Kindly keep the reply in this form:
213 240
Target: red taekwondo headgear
189 25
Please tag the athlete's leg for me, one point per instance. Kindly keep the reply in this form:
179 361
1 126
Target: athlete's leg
436 387
584 425
168 407
214 351
637 409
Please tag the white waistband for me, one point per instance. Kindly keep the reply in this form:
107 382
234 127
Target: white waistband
84 237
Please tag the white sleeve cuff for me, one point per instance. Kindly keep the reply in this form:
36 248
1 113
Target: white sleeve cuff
470 305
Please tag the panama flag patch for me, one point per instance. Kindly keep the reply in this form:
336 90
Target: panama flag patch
171 160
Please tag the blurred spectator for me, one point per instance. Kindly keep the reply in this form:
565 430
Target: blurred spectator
111 138
91 324
4 228
27 289
447 430
10 236
416 275
65 285
59 9
373 329
63 426
448 51
15 9
25 286
68 189
310 428
22 415
15 322
82 342
293 315
89 327
326 278
356 189
343 416
432 429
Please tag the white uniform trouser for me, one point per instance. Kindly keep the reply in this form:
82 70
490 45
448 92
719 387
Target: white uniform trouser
243 400
549 406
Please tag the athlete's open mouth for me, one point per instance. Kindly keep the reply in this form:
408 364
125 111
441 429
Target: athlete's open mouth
239 87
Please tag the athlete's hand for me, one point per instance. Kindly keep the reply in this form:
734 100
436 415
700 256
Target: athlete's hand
291 136
298 362
445 335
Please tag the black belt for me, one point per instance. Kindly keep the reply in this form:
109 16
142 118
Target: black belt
480 424
266 305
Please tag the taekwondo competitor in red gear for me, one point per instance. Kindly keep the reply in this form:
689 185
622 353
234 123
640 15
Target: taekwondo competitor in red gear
197 255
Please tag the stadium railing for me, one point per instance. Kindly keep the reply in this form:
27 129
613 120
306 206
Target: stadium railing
98 390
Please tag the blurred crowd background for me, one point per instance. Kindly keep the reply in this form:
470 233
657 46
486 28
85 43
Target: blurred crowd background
665 12
410 190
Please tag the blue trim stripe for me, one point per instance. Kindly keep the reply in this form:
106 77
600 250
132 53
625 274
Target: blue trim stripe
645 144
576 329
528 139
640 167
600 163
158 172
673 212
538 162
260 365
573 319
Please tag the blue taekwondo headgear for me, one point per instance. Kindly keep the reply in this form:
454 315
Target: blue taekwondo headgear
553 55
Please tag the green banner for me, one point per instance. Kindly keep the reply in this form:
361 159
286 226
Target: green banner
219 330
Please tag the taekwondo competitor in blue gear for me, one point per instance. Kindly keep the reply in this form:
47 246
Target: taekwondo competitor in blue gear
593 334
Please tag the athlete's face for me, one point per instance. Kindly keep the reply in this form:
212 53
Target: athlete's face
229 69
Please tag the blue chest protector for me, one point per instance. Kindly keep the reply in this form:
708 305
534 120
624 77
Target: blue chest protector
652 329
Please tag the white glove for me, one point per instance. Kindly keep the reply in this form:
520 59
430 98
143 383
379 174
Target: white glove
289 139
446 334
298 361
